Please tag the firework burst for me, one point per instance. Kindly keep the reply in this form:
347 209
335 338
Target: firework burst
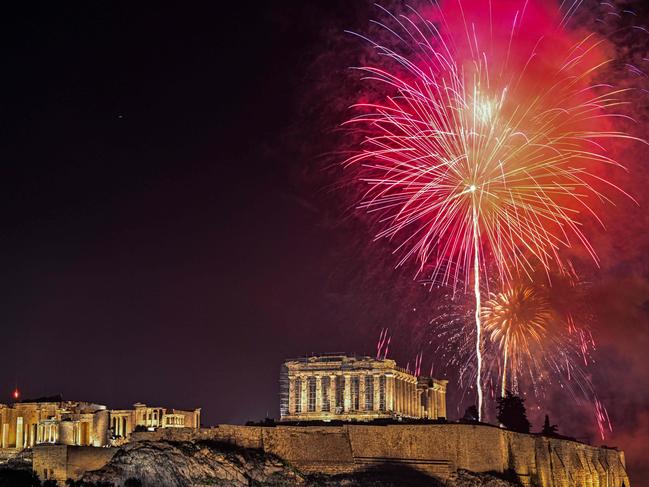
537 342
516 321
482 144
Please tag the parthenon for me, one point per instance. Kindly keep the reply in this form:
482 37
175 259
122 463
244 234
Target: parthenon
356 388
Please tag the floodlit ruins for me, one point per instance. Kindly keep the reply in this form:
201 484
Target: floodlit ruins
53 420
340 387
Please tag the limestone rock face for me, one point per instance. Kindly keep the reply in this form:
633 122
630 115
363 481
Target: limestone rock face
201 463
209 463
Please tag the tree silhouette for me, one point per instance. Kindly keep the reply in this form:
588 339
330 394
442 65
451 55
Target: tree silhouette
548 429
471 414
512 414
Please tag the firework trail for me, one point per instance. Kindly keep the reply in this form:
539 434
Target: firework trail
383 344
483 144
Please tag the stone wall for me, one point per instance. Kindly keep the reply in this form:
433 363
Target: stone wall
312 449
62 462
51 462
100 424
82 459
436 449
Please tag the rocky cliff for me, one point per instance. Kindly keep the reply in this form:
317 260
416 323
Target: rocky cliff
204 462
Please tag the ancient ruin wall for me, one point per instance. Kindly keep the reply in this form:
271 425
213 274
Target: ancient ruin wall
438 449
61 462
50 462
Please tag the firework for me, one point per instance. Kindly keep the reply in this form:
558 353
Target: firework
537 342
517 322
483 145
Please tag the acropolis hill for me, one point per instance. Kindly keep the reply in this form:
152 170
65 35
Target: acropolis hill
344 418
441 451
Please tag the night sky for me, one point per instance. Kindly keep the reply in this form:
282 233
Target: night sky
171 230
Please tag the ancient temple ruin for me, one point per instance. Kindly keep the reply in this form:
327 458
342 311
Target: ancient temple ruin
52 420
341 387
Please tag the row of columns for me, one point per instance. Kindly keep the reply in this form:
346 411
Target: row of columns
120 426
420 401
25 433
436 402
47 433
398 393
150 417
174 420
406 397
327 398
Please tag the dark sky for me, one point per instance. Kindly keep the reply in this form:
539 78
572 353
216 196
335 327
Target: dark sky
165 237
156 243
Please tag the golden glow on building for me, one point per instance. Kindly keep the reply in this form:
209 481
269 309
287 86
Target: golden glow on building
340 387
52 420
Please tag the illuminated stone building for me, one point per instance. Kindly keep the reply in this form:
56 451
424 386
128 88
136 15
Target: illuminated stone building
52 420
356 388
124 421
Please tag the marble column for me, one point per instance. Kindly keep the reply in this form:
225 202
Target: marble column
433 403
348 392
389 393
304 394
377 391
415 400
395 395
442 402
361 392
332 393
318 393
405 398
399 395
291 395
408 398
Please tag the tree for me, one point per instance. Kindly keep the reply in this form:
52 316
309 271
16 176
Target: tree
548 429
512 414
471 414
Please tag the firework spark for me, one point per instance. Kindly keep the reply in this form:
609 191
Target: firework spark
484 145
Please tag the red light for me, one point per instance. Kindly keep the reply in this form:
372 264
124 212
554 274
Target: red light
16 394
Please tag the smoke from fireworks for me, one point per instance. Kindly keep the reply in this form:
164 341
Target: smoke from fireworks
484 140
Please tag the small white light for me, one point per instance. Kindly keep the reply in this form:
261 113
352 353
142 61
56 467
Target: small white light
472 188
